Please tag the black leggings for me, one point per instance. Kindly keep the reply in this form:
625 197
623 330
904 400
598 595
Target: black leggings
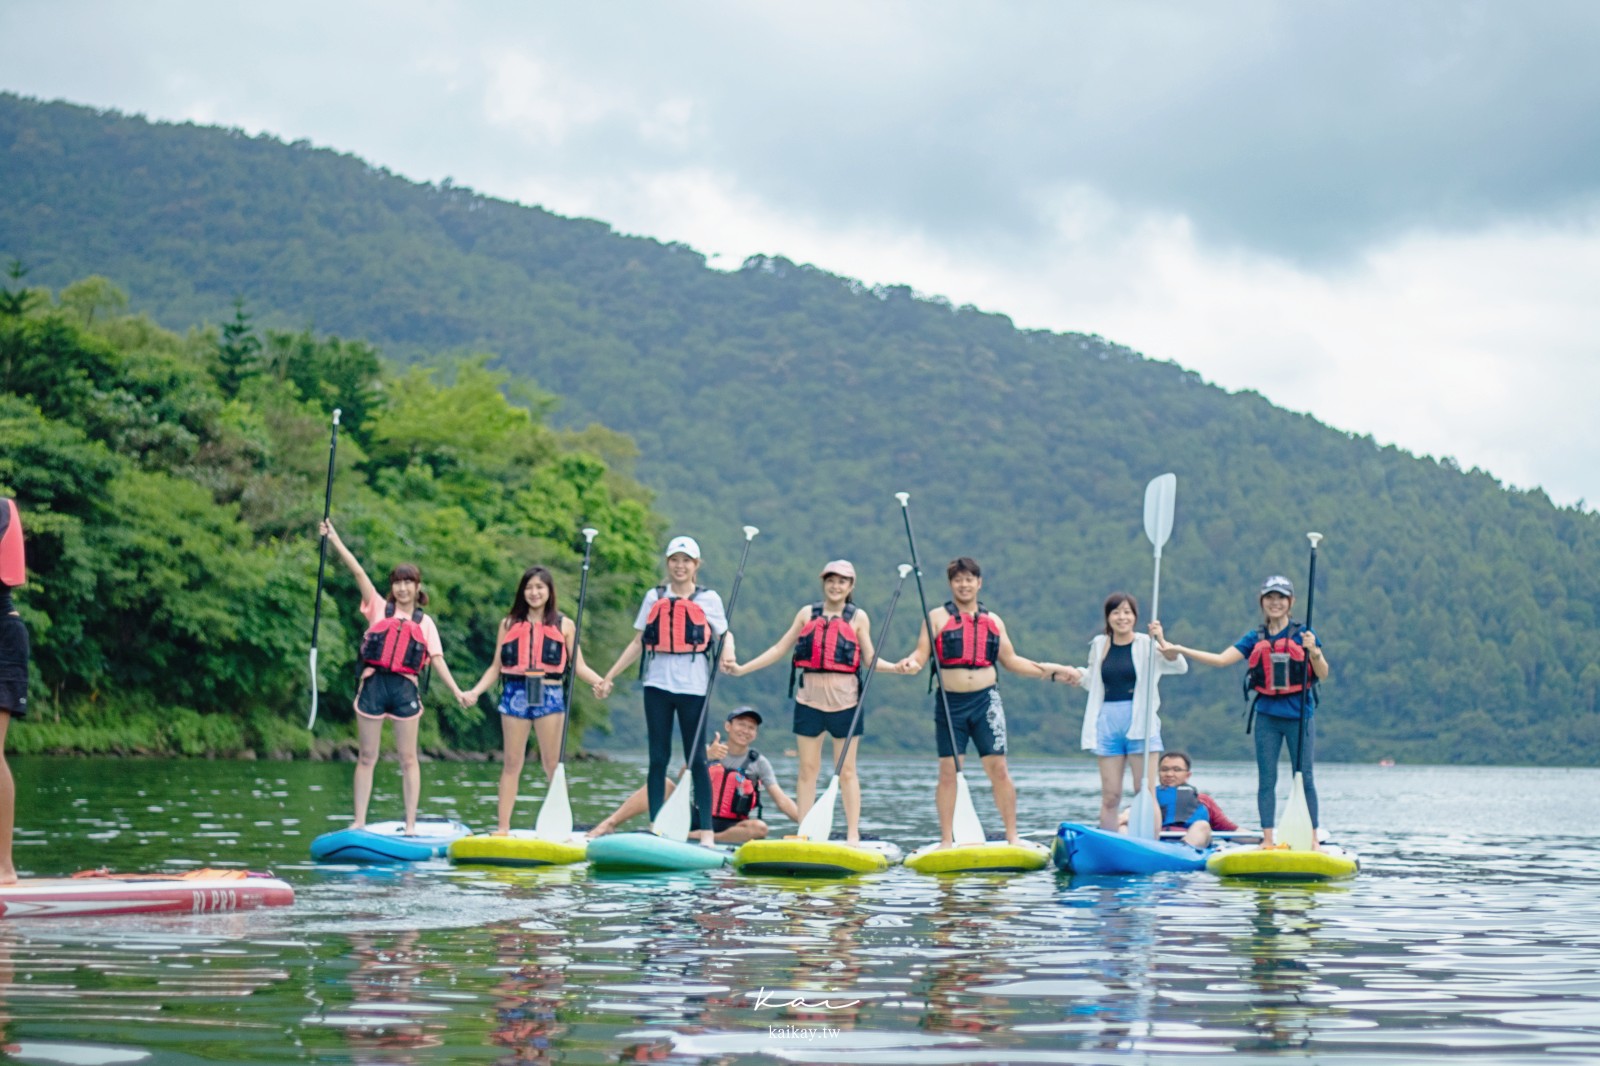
659 708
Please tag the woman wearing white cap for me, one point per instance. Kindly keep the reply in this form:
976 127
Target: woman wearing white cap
677 625
832 642
1285 663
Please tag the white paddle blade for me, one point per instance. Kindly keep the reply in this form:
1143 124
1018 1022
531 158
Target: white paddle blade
313 719
1294 827
672 820
818 822
750 532
1142 816
555 817
1160 497
965 827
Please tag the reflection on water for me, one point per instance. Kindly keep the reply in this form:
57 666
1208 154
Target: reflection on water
1473 940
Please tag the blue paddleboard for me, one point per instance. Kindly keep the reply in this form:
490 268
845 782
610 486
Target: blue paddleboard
388 842
1084 849
646 851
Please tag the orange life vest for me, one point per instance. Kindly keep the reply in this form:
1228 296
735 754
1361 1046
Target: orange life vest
529 647
676 625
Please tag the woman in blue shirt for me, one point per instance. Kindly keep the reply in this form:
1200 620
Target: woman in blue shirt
1286 661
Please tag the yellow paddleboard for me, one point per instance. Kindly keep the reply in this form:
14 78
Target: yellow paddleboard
519 848
794 857
1284 864
989 857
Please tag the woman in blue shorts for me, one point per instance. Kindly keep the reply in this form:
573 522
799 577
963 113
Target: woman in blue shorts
535 643
832 642
1114 721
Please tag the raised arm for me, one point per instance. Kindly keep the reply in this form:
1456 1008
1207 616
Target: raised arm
363 582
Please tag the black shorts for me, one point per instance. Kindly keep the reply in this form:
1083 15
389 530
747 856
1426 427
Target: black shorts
810 722
977 716
13 665
386 695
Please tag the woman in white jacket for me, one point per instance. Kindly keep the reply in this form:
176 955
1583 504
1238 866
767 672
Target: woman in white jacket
1114 721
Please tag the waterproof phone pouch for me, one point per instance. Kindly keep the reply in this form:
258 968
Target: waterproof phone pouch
1280 670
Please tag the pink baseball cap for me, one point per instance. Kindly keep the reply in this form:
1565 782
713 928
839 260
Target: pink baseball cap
841 567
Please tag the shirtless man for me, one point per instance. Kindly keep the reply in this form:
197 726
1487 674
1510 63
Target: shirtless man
972 644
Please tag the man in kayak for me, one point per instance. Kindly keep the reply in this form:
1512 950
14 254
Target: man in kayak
739 775
972 644
1185 808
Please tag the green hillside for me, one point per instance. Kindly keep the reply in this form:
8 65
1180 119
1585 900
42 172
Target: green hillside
788 398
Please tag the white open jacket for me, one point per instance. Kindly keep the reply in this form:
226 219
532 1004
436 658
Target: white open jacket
1141 662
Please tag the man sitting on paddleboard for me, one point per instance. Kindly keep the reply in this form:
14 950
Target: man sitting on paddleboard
739 773
1184 808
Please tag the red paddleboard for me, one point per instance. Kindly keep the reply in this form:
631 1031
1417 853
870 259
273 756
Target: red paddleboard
96 893
13 569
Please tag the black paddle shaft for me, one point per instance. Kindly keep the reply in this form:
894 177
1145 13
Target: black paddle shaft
716 660
577 635
1311 600
933 640
327 510
872 669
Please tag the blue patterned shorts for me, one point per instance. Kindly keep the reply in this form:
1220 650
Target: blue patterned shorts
514 698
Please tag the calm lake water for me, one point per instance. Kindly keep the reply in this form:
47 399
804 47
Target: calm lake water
1473 932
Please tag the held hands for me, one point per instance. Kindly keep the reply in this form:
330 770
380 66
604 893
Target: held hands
1159 635
602 688
731 668
716 749
908 665
469 697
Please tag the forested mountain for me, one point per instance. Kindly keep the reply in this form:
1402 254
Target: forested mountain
1456 612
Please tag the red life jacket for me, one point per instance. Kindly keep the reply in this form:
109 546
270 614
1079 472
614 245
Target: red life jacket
529 647
968 641
1279 667
827 644
677 625
396 644
13 571
735 794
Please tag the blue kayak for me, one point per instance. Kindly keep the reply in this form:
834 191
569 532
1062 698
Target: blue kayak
1084 849
388 842
646 851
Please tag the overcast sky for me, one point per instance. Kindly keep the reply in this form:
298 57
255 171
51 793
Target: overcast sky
1386 214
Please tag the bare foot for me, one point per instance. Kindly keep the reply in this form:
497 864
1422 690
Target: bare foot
601 830
358 825
1014 840
853 841
501 832
945 844
8 875
708 840
411 830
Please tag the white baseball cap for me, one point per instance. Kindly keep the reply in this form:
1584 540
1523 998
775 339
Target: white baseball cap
687 545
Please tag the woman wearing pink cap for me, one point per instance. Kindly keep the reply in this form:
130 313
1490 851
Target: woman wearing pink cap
832 642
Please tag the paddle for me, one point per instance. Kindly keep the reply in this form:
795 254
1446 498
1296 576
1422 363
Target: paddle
818 822
1159 498
965 828
672 820
555 815
322 566
1295 828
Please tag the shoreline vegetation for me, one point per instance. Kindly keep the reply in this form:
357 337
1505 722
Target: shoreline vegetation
171 487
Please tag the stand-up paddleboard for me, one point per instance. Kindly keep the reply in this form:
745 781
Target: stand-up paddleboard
634 852
96 893
1331 863
521 847
388 842
990 857
1083 849
797 857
